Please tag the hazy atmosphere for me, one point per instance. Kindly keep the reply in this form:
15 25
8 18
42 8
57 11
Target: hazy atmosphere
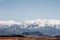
29 19
29 9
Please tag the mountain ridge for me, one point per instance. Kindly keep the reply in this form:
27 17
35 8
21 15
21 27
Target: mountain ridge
48 27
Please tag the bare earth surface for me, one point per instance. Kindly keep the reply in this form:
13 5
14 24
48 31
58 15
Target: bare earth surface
28 38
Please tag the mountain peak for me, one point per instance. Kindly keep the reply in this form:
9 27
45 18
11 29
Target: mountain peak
50 27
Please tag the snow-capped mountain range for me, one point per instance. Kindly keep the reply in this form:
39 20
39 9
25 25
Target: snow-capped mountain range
43 26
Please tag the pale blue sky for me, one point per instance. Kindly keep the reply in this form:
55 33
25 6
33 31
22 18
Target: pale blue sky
29 9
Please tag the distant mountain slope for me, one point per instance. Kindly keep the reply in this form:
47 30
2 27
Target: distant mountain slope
32 34
31 27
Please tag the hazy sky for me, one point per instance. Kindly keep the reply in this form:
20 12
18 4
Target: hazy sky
29 9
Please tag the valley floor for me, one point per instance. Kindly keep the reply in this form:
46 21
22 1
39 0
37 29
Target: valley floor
28 38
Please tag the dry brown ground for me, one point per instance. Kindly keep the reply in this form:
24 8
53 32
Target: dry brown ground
28 38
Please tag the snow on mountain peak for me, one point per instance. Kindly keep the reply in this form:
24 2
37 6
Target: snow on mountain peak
50 27
8 22
39 22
